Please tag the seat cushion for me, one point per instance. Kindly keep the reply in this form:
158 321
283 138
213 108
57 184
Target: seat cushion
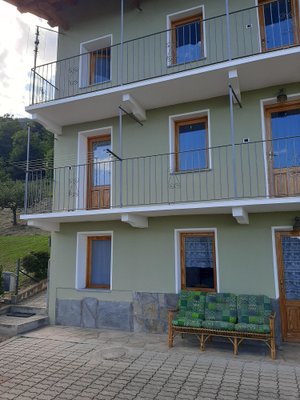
253 328
222 325
221 307
193 301
253 309
188 319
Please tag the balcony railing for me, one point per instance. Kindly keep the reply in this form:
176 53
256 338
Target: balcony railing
263 169
267 27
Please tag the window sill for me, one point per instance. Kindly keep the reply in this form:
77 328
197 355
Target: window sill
191 171
98 290
94 84
171 65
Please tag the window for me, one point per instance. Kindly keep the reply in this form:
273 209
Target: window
100 66
198 261
95 61
278 23
187 39
98 271
191 144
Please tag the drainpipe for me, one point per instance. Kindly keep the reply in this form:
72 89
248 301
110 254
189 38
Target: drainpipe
121 154
233 152
27 168
121 41
228 30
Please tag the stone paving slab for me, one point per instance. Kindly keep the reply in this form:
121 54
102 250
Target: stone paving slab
73 363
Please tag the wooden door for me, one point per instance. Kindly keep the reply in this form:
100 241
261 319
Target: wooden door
288 256
98 172
279 24
283 148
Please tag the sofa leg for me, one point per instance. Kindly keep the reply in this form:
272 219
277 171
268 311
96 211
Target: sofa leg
273 349
170 338
202 342
235 346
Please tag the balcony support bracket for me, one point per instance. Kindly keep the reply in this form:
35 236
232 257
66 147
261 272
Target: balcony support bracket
136 221
44 225
51 126
234 83
134 107
241 215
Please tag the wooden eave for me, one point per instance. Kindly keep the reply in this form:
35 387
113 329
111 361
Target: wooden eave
54 11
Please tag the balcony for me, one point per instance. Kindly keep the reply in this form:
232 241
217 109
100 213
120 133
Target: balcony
170 184
165 67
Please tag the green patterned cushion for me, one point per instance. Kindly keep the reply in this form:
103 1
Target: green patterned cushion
221 307
257 328
253 309
192 301
222 325
190 321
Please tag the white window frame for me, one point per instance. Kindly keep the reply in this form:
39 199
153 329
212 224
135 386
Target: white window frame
177 254
181 117
189 12
81 259
84 64
82 143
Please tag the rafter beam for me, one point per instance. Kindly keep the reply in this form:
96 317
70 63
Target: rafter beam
44 225
133 106
235 84
49 125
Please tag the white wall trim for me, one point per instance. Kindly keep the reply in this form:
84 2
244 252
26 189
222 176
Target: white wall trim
178 15
82 142
275 229
263 103
177 254
181 117
81 257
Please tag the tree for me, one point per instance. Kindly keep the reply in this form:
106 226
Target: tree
12 196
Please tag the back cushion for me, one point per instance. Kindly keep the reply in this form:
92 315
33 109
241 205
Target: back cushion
221 307
192 301
253 309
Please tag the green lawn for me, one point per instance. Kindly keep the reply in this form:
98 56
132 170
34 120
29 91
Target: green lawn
14 247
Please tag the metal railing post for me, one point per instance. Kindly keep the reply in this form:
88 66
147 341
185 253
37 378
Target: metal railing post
27 170
18 264
121 154
121 42
228 30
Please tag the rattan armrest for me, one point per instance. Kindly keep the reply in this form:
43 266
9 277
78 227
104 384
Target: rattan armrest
273 315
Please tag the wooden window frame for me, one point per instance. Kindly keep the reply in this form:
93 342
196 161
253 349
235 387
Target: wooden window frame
191 121
183 235
94 55
89 285
186 21
296 25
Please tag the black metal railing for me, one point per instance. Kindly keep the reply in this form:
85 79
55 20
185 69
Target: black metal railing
267 27
262 169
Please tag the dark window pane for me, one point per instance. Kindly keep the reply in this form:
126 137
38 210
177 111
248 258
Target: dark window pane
291 263
192 146
102 66
199 261
101 257
188 42
285 125
101 169
278 24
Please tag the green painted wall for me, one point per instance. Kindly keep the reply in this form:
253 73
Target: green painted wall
144 259
149 181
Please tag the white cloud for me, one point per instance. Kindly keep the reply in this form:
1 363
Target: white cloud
17 35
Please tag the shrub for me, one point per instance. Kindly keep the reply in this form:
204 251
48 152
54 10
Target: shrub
36 263
1 281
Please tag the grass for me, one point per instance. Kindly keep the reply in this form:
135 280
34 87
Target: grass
14 247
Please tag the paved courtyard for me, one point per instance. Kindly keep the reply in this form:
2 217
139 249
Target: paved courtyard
72 363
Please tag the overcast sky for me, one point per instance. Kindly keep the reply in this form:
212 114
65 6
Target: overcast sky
16 56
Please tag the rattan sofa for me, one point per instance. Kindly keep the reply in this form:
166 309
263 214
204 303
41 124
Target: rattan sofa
235 317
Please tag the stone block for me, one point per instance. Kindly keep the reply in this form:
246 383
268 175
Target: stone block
68 312
89 312
114 315
171 300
